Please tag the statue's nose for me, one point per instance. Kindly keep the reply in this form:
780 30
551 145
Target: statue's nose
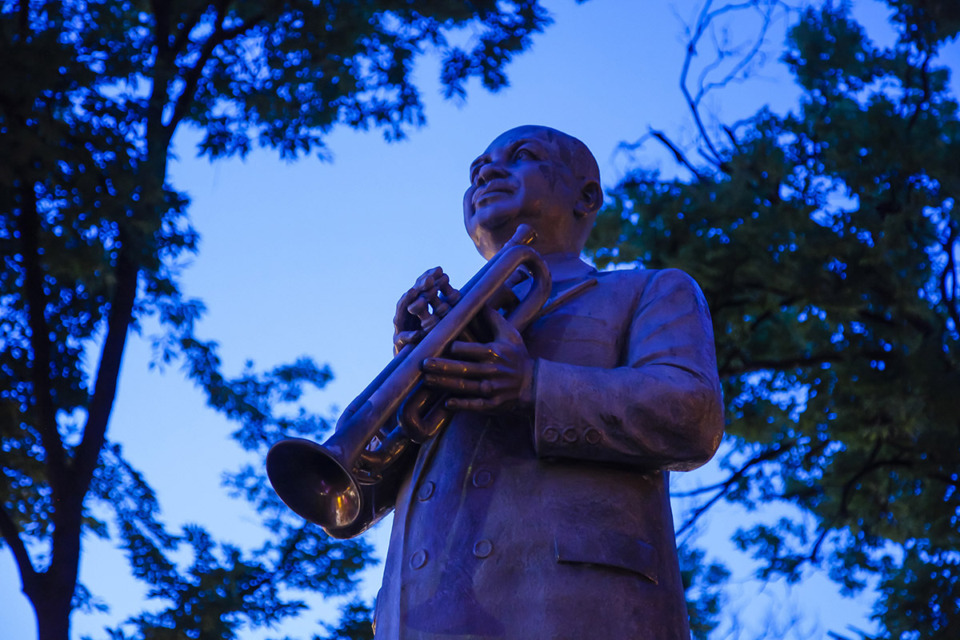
490 171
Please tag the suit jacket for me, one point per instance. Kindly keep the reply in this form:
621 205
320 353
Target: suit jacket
558 525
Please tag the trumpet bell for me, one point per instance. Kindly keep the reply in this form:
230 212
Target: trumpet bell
313 483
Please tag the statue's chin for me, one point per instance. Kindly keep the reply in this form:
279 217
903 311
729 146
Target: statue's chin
493 227
494 218
490 240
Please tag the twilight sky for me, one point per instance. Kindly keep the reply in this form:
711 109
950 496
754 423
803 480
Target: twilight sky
310 258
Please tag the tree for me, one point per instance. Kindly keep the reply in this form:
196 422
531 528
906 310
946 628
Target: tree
827 242
93 238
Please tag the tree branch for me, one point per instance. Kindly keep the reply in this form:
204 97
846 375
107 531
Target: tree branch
925 83
815 551
108 371
953 482
733 137
161 13
188 25
193 75
11 535
872 464
41 367
704 21
917 322
789 363
677 154
723 488
706 87
23 20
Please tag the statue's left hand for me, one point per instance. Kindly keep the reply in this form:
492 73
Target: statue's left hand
492 376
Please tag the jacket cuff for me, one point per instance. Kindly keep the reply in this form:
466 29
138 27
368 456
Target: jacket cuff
558 431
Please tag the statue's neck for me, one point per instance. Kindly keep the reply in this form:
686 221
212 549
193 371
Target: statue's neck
567 266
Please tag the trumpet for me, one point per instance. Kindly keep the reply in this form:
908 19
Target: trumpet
350 481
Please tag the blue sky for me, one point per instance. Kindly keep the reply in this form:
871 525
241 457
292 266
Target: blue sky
310 258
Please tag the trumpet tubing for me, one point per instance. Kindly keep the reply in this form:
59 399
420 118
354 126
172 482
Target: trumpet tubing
337 484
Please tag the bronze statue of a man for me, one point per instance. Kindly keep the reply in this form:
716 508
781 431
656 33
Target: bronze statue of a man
542 511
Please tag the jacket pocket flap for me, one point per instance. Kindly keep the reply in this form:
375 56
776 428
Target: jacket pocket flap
607 548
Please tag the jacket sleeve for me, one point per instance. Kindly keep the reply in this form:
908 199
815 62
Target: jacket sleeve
662 409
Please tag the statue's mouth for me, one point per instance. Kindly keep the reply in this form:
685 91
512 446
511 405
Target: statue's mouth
493 189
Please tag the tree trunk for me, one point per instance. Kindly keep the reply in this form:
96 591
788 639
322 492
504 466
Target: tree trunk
51 604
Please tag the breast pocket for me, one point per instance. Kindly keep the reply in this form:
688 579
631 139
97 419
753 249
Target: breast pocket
580 545
575 339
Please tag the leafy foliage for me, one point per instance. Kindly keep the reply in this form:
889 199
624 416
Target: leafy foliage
354 623
703 584
93 237
827 243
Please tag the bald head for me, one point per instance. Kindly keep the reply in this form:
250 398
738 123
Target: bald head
571 151
537 175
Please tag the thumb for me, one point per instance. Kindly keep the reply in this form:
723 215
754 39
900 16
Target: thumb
503 331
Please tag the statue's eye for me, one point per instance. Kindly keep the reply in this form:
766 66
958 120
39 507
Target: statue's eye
524 154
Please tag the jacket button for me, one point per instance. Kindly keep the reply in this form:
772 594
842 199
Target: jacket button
570 435
483 548
482 478
550 434
418 559
426 490
592 436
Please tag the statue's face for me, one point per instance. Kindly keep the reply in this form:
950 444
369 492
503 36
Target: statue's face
525 175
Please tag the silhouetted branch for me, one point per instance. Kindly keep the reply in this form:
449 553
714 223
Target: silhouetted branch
188 25
953 482
815 551
161 13
925 84
723 488
195 73
755 364
108 370
732 136
680 157
745 60
701 28
11 536
41 365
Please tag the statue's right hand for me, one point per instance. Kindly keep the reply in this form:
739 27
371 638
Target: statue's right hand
421 307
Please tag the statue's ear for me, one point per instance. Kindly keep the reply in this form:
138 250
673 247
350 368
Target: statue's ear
590 200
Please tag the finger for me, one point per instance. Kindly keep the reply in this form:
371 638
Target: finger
424 283
407 298
421 309
402 320
455 384
477 404
485 388
503 331
476 351
427 280
430 322
451 295
440 306
403 338
459 368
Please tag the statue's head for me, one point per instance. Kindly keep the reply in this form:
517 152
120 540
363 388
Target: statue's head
536 175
